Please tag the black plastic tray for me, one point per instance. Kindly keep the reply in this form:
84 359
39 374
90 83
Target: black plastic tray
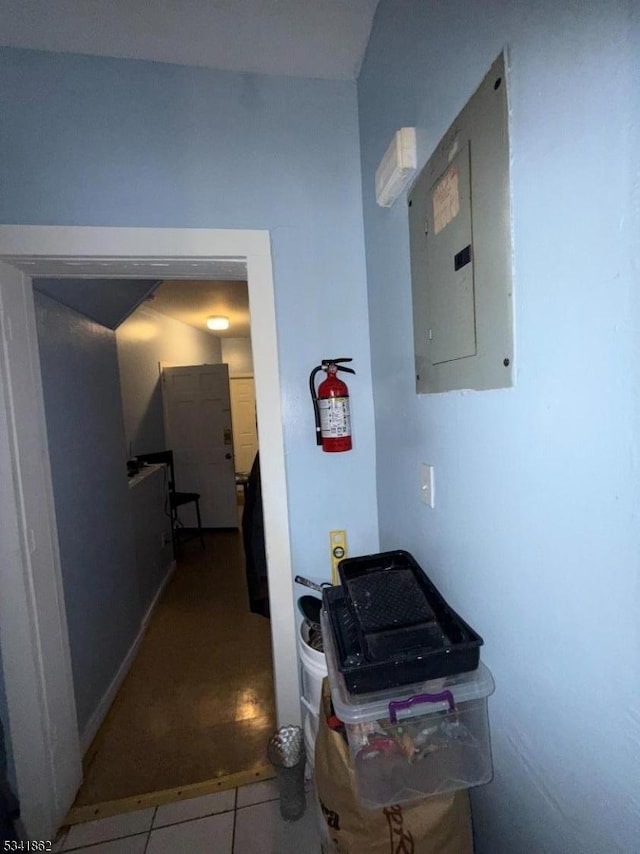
392 627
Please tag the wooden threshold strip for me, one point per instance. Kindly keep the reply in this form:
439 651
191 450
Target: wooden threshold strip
91 812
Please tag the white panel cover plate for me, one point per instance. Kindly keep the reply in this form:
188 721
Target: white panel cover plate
451 305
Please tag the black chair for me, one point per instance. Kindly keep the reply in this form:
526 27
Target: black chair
176 499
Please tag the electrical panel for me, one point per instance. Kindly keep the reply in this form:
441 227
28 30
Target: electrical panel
460 232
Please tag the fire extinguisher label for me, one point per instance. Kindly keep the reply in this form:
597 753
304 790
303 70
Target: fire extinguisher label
334 417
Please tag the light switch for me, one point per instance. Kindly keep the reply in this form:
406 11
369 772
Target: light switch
427 485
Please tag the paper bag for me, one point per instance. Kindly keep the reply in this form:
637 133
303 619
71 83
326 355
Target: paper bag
437 825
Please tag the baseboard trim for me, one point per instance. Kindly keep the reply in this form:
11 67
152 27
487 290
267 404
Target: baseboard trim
96 719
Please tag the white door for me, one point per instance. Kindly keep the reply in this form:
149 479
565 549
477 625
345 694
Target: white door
197 423
243 415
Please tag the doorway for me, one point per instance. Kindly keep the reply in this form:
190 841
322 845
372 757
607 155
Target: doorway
36 656
192 702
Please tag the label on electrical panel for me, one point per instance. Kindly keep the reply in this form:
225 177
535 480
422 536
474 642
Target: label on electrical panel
446 200
335 421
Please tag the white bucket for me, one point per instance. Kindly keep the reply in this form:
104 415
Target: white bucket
314 669
310 734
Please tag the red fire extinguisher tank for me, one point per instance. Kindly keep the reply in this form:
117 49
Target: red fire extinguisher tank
335 418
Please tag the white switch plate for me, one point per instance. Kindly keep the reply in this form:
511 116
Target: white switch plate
427 485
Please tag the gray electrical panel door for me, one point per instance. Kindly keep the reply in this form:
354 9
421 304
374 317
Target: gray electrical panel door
451 318
459 223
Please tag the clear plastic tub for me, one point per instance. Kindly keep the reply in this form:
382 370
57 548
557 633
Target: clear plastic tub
418 740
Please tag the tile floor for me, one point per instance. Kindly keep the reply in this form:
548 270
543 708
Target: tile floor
237 821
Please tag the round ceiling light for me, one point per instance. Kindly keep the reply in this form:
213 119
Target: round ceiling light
218 322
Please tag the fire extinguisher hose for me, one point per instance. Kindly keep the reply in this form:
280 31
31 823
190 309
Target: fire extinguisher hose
314 398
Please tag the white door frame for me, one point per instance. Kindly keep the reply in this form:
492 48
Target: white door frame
31 709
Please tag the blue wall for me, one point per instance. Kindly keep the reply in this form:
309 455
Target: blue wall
535 535
91 141
104 602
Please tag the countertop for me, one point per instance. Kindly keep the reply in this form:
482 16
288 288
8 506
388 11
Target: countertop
145 472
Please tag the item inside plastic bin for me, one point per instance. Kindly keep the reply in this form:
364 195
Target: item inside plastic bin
412 741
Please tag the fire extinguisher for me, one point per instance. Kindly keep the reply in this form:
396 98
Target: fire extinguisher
331 406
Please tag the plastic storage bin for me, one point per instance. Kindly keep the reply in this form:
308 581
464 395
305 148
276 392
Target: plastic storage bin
416 741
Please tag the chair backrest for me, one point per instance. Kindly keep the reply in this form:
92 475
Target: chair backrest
165 457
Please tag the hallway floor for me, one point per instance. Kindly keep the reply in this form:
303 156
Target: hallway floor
197 705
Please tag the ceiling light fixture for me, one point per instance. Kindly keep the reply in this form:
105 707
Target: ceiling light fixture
218 322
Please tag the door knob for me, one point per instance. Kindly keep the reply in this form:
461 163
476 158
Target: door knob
227 456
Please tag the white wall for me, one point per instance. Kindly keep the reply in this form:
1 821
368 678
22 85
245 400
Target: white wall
236 352
144 340
535 536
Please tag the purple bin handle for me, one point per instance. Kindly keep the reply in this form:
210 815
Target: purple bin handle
396 706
